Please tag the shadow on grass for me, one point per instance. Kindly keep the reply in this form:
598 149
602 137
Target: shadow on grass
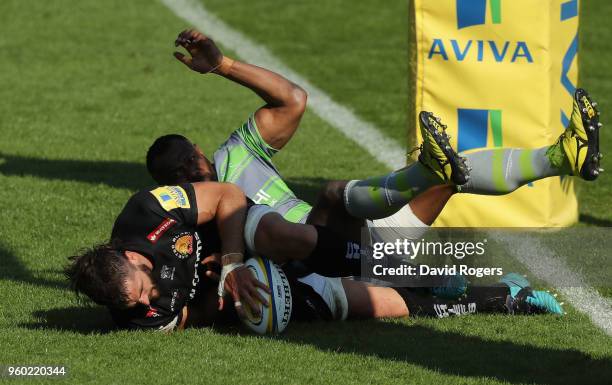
118 174
440 351
83 320
130 175
12 269
455 354
591 220
134 176
446 352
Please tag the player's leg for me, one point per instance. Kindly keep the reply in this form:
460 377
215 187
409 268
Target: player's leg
438 164
319 298
576 152
425 185
512 295
329 211
319 248
501 171
429 204
369 301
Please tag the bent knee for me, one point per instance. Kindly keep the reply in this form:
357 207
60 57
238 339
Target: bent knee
332 193
368 301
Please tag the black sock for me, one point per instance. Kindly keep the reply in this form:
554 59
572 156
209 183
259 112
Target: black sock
478 299
334 255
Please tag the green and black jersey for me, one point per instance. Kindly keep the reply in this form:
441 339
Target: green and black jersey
245 159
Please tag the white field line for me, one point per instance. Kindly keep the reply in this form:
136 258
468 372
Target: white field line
383 149
539 260
543 263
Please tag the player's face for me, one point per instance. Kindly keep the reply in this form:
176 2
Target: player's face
204 170
140 287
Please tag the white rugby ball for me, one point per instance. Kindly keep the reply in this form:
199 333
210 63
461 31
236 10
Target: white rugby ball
275 317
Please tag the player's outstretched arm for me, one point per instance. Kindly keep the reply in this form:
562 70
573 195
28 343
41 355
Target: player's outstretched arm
226 203
285 101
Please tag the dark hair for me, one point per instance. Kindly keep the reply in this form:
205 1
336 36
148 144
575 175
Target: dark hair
100 273
166 159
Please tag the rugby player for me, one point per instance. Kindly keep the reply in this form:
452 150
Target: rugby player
393 200
149 274
274 124
343 205
254 144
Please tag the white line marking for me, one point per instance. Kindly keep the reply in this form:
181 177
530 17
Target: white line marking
382 148
385 150
543 263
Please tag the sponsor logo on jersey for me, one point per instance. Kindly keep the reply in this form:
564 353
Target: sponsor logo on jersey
183 245
171 197
167 272
160 230
263 198
443 311
196 276
152 313
353 251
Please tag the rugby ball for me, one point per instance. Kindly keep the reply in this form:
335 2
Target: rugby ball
275 317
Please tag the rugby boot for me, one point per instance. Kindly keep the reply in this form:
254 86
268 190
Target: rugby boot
580 140
437 154
529 301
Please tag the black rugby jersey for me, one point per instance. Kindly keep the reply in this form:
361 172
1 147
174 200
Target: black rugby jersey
161 224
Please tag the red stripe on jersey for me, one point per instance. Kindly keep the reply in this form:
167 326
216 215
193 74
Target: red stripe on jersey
160 230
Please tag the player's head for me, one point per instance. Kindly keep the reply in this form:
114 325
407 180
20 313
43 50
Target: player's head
112 277
174 159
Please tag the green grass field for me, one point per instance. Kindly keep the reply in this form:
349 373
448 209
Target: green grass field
87 85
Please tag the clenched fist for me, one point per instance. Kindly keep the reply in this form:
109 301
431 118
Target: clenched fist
205 55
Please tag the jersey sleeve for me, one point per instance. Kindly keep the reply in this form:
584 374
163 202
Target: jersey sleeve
248 134
176 202
145 318
149 213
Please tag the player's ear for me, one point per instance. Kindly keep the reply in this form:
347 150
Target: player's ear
132 257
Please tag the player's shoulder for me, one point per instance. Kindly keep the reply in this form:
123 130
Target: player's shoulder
167 198
247 140
173 197
149 206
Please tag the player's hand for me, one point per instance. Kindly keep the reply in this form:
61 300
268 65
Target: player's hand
243 287
213 266
204 55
